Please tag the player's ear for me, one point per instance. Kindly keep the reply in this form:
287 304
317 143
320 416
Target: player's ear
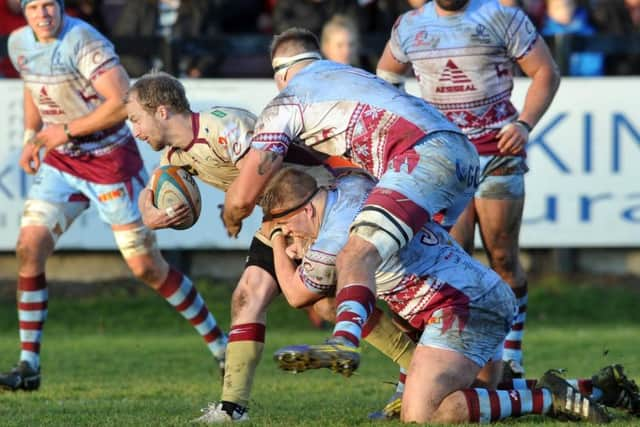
162 112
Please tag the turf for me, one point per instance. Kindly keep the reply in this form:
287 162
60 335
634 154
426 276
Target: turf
122 357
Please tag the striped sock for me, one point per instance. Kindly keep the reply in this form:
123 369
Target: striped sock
491 405
178 290
246 342
355 303
584 385
32 313
402 379
513 341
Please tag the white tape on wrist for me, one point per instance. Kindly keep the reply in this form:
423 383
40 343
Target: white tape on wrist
29 134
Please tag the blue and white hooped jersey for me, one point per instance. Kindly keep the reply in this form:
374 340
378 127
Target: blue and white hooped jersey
345 111
464 63
59 77
431 272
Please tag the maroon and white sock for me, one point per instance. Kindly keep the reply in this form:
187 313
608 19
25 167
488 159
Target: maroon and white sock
355 303
179 291
32 313
486 406
513 342
583 385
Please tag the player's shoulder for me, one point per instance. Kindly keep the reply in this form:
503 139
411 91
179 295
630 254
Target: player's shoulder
224 113
77 30
20 38
492 10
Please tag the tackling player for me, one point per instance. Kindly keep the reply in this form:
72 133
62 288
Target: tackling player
427 169
463 53
73 109
212 145
463 308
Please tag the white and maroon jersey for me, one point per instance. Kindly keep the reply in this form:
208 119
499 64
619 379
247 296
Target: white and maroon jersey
464 63
430 273
345 111
221 136
59 77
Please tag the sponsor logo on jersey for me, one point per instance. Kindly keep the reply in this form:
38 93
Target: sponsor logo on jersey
453 79
481 35
47 105
424 39
218 113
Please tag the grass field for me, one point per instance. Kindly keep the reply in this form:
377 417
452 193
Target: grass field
122 358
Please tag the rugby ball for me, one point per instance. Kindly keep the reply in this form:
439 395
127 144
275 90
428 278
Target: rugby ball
172 185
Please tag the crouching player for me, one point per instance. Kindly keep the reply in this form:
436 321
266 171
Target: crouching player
463 308
211 145
73 109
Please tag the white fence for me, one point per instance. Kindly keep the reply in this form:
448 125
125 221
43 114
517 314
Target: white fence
583 189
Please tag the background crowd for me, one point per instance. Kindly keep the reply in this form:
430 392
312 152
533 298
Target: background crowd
229 38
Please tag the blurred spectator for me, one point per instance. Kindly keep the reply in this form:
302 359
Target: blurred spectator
242 16
536 9
620 18
311 14
11 18
339 40
170 19
87 10
566 17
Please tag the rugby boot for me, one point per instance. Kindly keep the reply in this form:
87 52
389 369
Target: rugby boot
334 354
391 410
21 377
217 413
568 404
511 369
618 390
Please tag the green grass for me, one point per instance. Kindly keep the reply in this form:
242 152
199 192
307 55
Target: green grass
124 358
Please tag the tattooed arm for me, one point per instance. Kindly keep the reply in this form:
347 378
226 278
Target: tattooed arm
256 169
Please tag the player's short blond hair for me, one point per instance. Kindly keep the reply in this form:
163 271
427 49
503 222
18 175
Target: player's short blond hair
157 88
287 191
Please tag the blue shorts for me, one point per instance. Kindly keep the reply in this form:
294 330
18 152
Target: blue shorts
117 204
501 178
481 335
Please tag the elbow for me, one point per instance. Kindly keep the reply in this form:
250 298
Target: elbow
298 301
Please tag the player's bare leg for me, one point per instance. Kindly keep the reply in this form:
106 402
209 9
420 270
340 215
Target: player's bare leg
434 375
35 245
499 222
141 253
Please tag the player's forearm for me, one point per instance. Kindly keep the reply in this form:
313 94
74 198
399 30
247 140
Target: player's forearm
540 94
32 118
107 115
291 285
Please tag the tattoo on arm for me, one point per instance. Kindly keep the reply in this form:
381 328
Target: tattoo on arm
267 158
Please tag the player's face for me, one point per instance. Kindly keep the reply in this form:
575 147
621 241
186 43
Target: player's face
340 46
145 126
44 17
300 226
451 5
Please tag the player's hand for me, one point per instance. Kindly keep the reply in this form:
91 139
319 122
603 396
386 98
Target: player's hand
155 218
30 158
52 136
512 139
232 225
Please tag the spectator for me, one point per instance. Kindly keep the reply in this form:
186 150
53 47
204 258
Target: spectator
339 40
170 19
618 18
11 18
567 17
311 14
